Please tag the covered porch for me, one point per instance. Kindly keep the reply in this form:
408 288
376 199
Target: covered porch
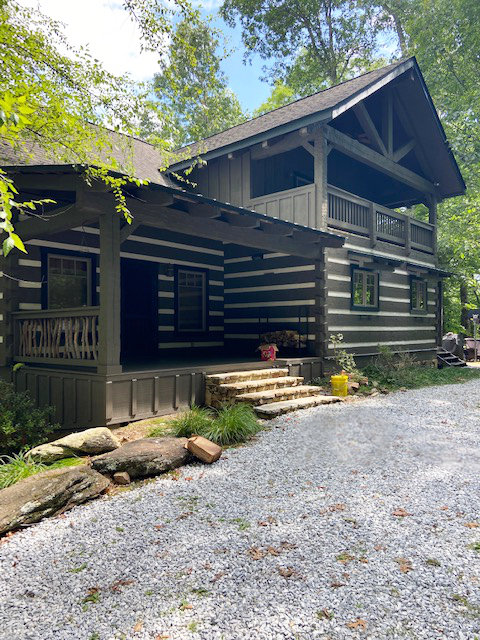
126 356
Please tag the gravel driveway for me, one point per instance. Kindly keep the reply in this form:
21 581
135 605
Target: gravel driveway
291 537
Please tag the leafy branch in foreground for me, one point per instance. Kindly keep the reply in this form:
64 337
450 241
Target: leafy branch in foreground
60 100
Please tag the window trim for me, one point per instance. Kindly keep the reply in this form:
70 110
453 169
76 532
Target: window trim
357 307
206 298
92 259
418 310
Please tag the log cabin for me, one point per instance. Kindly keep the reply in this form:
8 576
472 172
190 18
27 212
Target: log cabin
297 220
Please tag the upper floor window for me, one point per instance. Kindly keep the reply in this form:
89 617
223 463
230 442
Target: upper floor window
191 300
69 282
365 285
418 294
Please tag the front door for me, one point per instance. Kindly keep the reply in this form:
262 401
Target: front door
139 310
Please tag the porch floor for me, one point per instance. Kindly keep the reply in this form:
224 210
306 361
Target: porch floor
187 360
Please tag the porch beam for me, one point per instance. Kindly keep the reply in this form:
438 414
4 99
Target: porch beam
109 316
56 221
222 231
402 151
288 142
127 230
408 126
369 127
374 159
387 122
203 210
237 220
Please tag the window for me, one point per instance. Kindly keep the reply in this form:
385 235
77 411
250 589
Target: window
364 288
69 282
191 300
418 294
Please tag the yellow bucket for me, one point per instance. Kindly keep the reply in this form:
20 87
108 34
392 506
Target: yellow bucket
339 385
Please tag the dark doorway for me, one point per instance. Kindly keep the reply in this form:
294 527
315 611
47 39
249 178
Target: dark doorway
139 310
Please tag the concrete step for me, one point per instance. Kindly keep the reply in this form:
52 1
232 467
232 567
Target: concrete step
241 376
278 395
235 388
274 409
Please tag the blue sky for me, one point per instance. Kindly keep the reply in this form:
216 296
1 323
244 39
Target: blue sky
244 79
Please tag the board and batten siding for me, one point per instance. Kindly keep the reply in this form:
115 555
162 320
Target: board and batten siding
224 179
272 292
165 248
394 324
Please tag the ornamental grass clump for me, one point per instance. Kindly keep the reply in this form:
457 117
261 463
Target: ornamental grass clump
192 422
19 466
230 424
233 424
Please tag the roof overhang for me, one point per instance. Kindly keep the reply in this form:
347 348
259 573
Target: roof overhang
371 261
188 212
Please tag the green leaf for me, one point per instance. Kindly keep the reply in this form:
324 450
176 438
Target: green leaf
17 241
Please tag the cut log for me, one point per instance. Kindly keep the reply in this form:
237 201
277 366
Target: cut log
203 449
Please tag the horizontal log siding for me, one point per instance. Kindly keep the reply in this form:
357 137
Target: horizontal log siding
273 293
393 324
154 245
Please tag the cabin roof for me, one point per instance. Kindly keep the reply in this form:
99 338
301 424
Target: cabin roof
326 105
129 152
295 112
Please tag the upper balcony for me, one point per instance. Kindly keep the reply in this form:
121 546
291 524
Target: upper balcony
348 212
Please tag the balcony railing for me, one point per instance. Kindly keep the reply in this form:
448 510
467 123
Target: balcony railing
351 213
294 205
59 335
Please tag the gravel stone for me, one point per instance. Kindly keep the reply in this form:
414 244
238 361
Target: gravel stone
291 537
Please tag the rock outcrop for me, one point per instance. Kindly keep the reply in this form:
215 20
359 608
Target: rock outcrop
144 457
88 442
48 493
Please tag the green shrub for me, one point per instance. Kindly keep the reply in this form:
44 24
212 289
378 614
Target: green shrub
230 424
233 424
19 466
21 424
192 422
345 360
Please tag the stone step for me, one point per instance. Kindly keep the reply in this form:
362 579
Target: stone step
233 389
277 395
240 376
274 409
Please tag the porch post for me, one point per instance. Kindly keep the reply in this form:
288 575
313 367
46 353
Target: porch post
320 159
320 309
432 218
109 316
8 304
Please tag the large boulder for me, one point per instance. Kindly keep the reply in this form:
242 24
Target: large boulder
89 442
48 493
144 457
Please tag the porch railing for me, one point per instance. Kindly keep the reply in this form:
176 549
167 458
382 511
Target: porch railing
294 205
351 213
67 335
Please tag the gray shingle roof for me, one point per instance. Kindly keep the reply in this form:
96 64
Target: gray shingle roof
145 158
316 103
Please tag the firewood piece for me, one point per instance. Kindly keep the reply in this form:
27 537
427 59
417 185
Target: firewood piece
204 449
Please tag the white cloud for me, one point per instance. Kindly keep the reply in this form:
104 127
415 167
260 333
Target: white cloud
106 28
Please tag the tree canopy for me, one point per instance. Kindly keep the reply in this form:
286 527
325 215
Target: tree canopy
191 89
